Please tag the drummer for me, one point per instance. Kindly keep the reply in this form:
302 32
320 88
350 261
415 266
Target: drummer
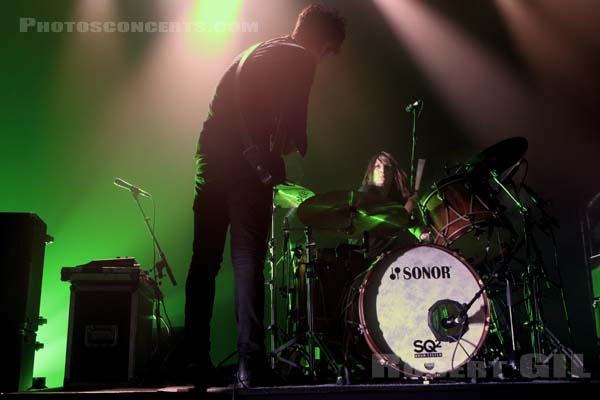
384 177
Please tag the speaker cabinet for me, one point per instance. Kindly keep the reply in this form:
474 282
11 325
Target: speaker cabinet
110 326
590 228
22 248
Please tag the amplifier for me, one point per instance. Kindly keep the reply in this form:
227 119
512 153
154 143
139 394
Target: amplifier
110 337
23 241
590 228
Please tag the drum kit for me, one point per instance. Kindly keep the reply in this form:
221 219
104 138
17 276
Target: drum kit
423 310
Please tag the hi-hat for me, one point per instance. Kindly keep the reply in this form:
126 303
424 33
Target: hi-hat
291 195
350 213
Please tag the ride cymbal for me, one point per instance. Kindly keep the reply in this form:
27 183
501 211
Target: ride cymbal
498 157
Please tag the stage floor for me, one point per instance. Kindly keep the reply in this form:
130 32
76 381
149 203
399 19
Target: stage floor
435 390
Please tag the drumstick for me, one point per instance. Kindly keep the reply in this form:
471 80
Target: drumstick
419 174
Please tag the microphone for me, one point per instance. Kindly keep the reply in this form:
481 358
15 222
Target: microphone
451 321
413 105
134 189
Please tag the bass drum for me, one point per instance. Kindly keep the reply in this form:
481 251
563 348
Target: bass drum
410 305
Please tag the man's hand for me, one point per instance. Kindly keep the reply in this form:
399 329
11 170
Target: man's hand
412 203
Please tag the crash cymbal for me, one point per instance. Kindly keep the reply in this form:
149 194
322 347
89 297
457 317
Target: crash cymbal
498 157
291 195
350 213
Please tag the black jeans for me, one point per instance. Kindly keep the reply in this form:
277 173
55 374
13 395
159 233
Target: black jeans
245 207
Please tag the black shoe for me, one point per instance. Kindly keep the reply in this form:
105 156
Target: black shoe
193 374
254 372
204 377
246 375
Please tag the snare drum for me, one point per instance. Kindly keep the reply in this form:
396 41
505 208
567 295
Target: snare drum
410 304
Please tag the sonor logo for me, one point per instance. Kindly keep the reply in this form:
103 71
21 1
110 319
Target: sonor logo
433 272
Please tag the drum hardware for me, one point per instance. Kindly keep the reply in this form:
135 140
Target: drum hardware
311 336
303 265
539 331
286 195
288 290
272 279
307 341
509 302
354 329
497 164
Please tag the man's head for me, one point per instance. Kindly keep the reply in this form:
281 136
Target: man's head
320 30
383 171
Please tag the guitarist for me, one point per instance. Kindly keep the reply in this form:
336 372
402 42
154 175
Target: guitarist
257 115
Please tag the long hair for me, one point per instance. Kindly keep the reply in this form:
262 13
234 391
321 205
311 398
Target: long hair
400 186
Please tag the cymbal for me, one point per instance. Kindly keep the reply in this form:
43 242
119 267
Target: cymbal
291 195
350 213
498 157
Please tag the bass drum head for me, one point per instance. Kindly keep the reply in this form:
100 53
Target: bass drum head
409 305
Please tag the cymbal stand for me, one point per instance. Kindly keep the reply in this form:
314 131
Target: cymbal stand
274 328
502 273
273 281
509 305
313 339
539 331
307 343
287 291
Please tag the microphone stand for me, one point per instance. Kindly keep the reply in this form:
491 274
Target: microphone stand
162 263
157 270
413 146
413 108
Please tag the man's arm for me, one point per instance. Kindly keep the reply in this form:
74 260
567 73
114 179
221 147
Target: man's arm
298 75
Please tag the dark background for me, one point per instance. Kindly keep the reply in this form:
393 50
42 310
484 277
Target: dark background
79 109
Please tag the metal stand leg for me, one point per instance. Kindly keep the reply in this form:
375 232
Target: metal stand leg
510 314
307 342
273 282
313 340
274 329
539 332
